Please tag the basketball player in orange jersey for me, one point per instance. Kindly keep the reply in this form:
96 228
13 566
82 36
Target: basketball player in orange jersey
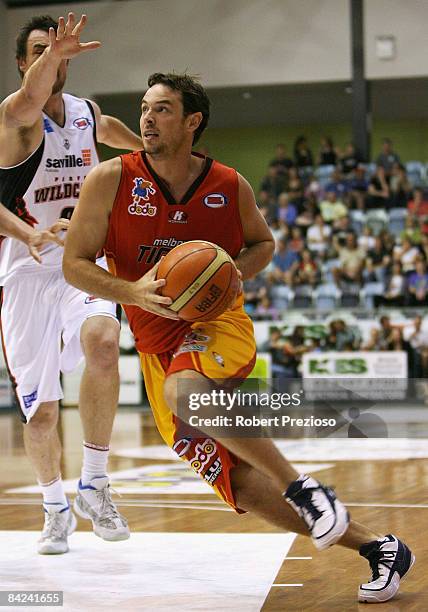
137 207
48 143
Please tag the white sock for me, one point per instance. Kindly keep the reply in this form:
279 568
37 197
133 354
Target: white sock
53 493
94 462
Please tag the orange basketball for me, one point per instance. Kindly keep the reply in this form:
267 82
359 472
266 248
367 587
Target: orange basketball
201 279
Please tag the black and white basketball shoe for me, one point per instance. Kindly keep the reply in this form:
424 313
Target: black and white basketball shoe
390 560
325 516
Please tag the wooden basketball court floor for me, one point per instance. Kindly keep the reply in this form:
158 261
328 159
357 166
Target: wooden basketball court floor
188 550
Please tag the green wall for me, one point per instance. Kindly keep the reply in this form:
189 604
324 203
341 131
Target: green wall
250 149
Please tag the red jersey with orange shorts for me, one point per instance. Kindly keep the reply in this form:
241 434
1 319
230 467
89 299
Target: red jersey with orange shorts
145 224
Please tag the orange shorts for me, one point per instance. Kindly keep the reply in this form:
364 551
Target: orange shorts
220 349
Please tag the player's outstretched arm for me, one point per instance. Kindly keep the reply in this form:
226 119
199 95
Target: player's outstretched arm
86 237
114 133
258 239
23 108
13 227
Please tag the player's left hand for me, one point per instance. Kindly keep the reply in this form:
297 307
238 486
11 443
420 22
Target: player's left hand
39 239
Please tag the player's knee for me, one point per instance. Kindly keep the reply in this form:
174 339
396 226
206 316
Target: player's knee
43 422
100 343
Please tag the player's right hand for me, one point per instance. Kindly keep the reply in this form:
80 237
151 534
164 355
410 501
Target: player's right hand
39 239
65 42
147 298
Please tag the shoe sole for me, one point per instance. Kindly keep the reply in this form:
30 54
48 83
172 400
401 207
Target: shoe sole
52 551
84 515
374 597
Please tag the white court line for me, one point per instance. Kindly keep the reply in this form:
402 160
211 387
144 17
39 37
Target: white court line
197 505
287 585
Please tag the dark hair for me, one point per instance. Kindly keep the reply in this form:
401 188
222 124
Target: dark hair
39 22
193 95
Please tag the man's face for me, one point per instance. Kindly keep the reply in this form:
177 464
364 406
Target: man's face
37 42
164 128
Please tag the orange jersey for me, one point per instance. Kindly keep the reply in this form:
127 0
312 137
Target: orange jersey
146 223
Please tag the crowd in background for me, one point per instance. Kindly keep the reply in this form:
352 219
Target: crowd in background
287 351
342 224
355 229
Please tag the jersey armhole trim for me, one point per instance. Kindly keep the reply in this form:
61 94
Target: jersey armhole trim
94 129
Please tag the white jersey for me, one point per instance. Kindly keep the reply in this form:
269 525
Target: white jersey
46 185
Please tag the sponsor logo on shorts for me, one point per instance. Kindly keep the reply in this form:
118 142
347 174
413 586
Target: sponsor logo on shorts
188 348
177 216
203 454
213 472
82 123
215 200
30 399
218 358
182 446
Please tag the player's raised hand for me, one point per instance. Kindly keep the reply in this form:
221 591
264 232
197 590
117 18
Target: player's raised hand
37 240
147 298
65 42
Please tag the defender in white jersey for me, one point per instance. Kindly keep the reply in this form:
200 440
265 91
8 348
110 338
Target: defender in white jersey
47 146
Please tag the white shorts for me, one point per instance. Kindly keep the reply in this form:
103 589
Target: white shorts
41 317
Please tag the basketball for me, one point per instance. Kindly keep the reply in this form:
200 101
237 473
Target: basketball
201 279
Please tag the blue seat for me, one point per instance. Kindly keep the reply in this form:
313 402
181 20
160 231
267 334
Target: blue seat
369 291
350 297
326 297
281 296
415 173
324 172
302 297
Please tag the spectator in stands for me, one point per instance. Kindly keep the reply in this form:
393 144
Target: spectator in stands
419 343
338 185
294 348
310 210
387 157
318 236
411 231
313 187
287 212
295 188
274 182
394 290
332 208
275 346
265 310
417 285
350 160
366 241
296 242
341 337
351 261
378 190
341 228
373 343
284 263
423 247
385 332
302 153
327 155
281 160
255 289
357 188
307 272
406 254
418 208
396 342
399 186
